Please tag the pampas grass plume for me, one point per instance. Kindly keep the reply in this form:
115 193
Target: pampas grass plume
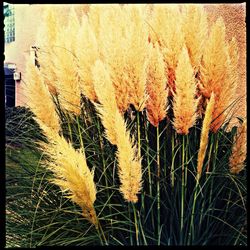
129 170
239 150
39 98
185 104
87 53
71 173
195 28
106 96
45 40
204 134
156 104
65 66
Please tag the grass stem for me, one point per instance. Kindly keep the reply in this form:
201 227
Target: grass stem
182 183
158 181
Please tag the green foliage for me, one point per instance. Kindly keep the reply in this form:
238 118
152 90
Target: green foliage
37 214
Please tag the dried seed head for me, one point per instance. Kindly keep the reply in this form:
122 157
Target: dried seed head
71 173
185 104
239 150
204 134
156 104
106 95
195 30
39 98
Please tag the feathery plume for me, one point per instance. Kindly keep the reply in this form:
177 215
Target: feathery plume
71 173
233 76
204 134
87 53
116 132
185 104
65 69
213 70
130 172
239 150
156 104
195 31
106 96
136 57
114 51
215 74
46 37
94 14
166 29
39 98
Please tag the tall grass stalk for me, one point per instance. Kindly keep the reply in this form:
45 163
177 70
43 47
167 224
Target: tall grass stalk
158 181
173 157
182 183
80 134
191 228
149 170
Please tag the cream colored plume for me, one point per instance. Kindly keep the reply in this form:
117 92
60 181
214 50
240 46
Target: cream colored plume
166 29
204 134
239 150
129 164
106 96
217 75
136 57
195 30
46 41
39 98
157 101
71 173
94 14
114 50
123 44
185 104
213 70
116 132
65 66
87 54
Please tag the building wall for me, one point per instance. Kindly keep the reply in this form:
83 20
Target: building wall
27 20
234 16
29 16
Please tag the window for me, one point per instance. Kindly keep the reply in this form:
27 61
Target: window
9 22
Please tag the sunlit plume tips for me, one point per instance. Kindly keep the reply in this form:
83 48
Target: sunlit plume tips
106 96
65 67
116 132
166 30
226 96
114 51
213 68
136 57
46 42
239 150
71 173
204 134
129 170
195 30
87 54
39 99
156 104
185 104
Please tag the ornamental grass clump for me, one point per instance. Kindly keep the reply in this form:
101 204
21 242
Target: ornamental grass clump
137 145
